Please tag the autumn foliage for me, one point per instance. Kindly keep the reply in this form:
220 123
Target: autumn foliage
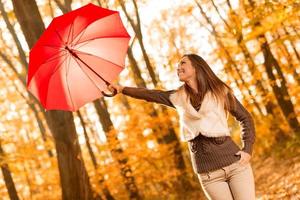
125 148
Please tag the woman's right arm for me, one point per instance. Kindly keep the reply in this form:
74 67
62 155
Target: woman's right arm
150 95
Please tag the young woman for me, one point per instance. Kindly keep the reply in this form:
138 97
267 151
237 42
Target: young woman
203 103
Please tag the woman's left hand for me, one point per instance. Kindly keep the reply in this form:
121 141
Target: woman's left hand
245 157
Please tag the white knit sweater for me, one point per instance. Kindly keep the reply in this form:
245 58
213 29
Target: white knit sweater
210 120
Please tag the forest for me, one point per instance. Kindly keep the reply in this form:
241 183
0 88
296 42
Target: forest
121 147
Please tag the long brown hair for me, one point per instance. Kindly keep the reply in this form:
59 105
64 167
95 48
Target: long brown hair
208 81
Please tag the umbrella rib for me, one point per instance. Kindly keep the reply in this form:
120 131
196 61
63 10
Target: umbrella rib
96 21
72 34
46 63
81 34
56 68
67 72
59 36
80 52
87 75
52 76
51 46
90 40
53 58
70 31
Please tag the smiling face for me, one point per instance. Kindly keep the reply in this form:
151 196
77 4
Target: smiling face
185 70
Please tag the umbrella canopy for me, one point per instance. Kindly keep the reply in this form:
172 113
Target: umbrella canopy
76 57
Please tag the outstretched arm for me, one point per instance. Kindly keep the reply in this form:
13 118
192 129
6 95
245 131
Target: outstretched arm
248 128
150 95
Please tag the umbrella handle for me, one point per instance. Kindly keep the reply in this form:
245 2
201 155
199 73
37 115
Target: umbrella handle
110 95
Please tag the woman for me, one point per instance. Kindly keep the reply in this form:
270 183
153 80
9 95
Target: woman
203 103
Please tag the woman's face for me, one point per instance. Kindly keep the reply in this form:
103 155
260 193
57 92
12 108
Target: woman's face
185 70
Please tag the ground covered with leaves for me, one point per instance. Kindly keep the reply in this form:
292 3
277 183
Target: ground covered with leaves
277 173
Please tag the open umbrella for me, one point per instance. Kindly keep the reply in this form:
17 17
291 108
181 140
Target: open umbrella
76 58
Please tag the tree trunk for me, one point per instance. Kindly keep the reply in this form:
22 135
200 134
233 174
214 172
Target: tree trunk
87 140
280 91
94 160
9 183
232 63
238 36
170 136
14 35
137 29
137 75
116 150
289 55
165 138
73 175
74 178
66 7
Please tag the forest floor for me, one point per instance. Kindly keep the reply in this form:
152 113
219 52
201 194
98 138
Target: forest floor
277 173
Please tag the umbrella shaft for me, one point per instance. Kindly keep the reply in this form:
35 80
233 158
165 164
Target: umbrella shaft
76 56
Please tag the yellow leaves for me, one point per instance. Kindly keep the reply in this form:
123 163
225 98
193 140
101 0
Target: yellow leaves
187 10
152 163
257 75
270 22
237 22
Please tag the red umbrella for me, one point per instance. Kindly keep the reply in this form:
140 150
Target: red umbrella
77 56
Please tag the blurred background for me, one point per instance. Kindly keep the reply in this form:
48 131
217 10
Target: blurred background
125 148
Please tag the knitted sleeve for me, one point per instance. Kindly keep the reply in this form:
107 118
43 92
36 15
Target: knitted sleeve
246 120
150 95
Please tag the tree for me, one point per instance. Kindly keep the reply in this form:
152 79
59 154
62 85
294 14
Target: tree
10 185
73 175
